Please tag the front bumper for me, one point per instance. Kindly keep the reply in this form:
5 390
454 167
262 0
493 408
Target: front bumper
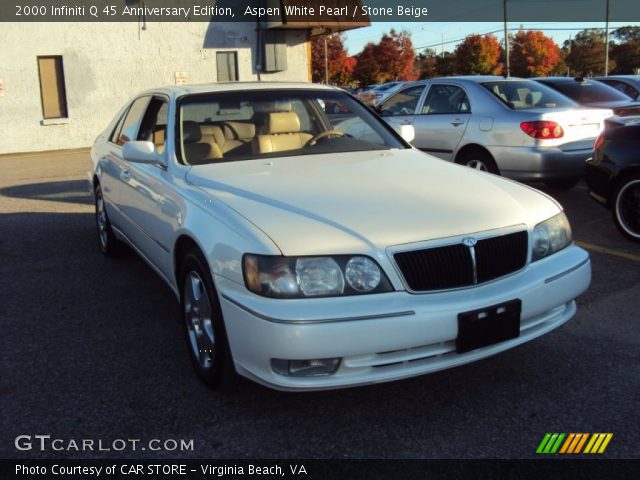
391 336
533 163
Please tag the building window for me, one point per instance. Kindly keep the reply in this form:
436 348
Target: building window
227 63
52 91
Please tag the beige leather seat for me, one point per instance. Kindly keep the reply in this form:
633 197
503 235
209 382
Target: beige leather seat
235 137
282 134
196 151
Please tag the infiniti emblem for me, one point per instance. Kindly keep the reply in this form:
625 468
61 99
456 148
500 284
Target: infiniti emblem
469 242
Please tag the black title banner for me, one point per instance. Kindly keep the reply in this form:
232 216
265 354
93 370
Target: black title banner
318 12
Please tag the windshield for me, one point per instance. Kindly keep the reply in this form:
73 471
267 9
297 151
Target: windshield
234 126
590 92
526 94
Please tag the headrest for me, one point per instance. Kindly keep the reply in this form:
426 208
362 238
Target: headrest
212 132
533 98
283 122
239 131
191 132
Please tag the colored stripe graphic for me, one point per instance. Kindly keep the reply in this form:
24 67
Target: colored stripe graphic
555 443
543 443
583 439
550 443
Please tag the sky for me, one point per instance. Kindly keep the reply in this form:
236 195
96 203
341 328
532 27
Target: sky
431 34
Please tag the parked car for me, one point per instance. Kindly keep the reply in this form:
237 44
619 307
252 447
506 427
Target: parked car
514 127
593 94
375 94
627 84
305 257
613 174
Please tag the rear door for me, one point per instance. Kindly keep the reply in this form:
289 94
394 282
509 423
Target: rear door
114 170
442 120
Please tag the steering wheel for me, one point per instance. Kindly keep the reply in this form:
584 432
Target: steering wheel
321 135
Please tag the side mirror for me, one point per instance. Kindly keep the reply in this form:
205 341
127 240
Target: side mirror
142 152
407 132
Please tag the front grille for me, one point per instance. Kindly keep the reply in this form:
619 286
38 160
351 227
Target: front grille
452 266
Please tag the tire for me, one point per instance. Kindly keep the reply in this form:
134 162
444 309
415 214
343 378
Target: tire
478 160
561 184
626 207
108 244
203 323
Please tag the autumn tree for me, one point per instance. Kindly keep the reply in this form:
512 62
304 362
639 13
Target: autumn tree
340 65
586 53
533 54
367 70
479 54
626 50
391 59
396 57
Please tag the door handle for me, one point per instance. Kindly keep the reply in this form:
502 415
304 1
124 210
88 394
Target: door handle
457 122
125 175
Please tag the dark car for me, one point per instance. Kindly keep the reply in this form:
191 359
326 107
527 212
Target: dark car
592 93
627 84
613 174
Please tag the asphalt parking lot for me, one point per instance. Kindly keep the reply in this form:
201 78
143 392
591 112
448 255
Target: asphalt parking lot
92 349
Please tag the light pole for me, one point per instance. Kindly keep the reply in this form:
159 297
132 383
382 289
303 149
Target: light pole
606 44
506 41
326 61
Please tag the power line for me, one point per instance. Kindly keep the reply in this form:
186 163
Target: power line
433 45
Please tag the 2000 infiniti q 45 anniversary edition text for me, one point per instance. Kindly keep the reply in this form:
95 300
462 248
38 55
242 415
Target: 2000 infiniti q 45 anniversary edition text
315 249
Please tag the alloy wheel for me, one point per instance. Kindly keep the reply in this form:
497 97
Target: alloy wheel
628 208
197 314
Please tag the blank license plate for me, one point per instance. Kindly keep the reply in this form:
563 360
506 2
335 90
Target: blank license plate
489 325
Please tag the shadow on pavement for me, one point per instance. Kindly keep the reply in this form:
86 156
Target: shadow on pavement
70 191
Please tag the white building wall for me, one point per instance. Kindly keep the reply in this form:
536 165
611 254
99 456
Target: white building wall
106 63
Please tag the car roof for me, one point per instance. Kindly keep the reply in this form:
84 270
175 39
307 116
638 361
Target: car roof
563 79
179 90
619 77
475 79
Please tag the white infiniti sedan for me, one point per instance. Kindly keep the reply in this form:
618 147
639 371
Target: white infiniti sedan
314 250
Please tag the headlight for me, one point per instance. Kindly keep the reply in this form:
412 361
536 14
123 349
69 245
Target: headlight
550 236
297 277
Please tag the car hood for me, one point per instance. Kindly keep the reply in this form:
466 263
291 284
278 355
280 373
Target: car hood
366 201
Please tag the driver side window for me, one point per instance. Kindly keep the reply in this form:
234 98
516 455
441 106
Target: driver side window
405 102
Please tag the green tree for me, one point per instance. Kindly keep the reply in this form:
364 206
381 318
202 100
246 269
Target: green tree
427 64
626 50
587 53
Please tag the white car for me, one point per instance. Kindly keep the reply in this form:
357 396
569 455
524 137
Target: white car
309 257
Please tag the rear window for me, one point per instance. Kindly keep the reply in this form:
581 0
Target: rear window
590 92
527 94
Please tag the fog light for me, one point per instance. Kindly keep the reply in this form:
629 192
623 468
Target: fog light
305 368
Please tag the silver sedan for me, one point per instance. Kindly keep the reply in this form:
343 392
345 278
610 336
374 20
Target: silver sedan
514 127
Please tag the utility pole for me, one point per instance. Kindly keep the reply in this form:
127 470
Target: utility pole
606 45
506 41
326 61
